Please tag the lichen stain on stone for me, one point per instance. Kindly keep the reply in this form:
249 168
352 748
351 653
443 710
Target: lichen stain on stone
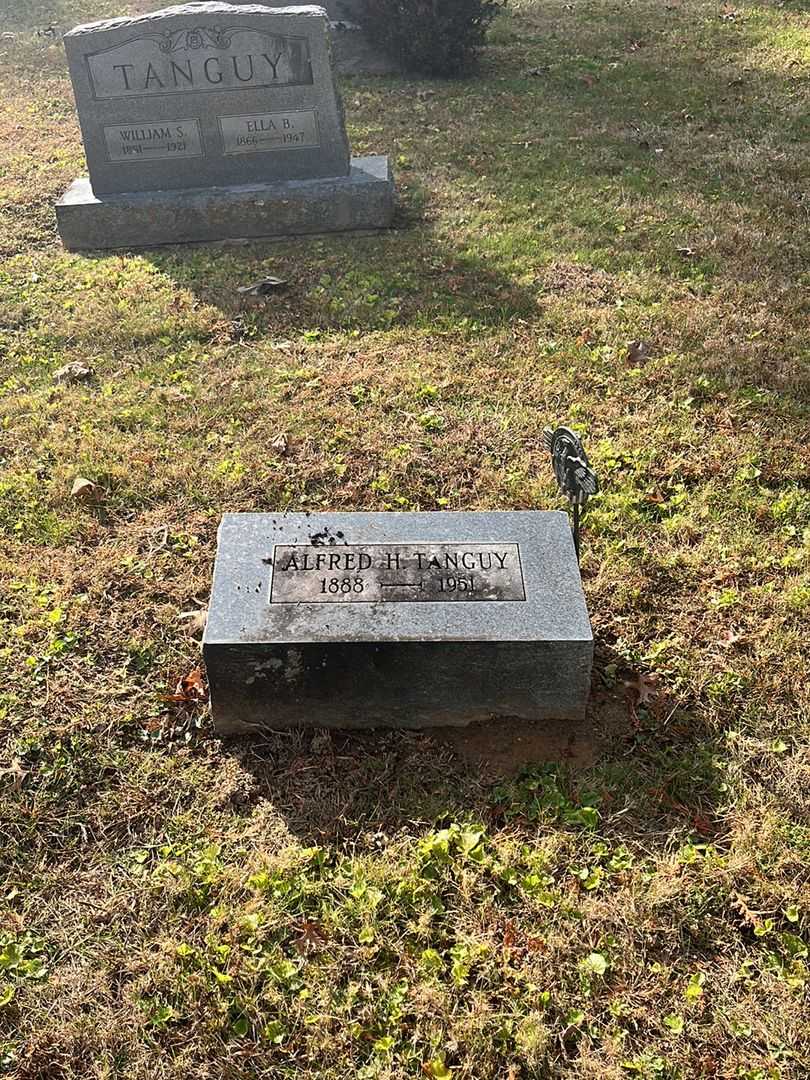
324 537
261 669
295 667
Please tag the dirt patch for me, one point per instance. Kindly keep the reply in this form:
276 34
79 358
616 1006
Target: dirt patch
504 747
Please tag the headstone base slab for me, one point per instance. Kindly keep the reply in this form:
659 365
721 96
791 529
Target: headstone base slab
416 685
363 200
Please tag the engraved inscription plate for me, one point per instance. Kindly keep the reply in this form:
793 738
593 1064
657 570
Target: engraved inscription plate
207 58
385 573
269 131
148 141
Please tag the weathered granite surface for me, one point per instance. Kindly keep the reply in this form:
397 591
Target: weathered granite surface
207 94
361 620
336 10
362 200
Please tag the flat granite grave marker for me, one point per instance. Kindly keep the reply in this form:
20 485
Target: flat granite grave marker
396 620
212 121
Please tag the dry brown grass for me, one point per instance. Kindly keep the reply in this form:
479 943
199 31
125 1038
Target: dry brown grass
648 184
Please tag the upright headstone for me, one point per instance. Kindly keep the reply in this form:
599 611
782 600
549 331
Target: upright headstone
396 620
213 121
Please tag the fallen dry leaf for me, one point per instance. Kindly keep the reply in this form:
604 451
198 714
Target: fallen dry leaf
85 490
645 688
190 690
18 774
195 621
749 917
310 936
74 372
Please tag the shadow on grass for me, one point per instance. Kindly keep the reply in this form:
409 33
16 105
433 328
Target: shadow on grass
685 177
664 147
344 283
649 771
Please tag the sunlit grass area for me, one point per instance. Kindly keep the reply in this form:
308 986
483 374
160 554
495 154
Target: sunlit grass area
607 226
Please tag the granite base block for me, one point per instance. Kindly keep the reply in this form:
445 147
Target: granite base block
414 685
401 620
362 200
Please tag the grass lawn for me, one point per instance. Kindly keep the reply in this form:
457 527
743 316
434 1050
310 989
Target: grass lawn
385 905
